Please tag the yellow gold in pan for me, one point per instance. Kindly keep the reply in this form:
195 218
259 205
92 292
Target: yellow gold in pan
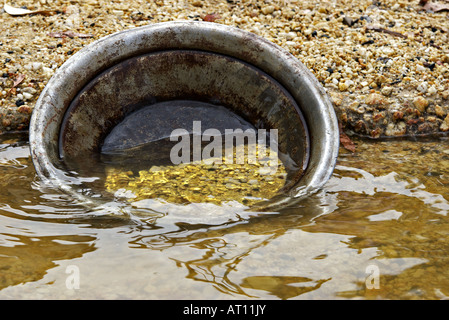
197 182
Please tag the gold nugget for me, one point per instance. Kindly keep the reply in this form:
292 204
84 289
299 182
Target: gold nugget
203 181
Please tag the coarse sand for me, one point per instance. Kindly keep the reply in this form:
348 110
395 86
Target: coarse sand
384 64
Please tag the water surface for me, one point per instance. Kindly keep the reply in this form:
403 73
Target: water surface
378 230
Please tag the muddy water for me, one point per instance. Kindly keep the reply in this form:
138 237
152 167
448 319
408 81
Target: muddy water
379 230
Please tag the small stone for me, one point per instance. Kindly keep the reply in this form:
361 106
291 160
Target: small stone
398 115
420 68
398 129
290 35
24 109
445 125
197 3
381 79
29 90
386 91
375 98
422 87
118 12
268 10
27 96
343 86
337 98
36 66
439 111
48 72
432 90
420 103
6 122
353 106
322 10
348 21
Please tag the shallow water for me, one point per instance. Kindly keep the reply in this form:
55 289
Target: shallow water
378 230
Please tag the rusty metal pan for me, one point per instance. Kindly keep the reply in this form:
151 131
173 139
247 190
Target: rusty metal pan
252 52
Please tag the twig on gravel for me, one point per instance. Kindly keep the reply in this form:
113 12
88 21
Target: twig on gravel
383 30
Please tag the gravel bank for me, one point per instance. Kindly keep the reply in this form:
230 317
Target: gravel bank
385 64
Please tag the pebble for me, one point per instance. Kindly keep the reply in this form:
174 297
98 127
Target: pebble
375 99
36 66
420 103
267 9
422 87
432 90
386 91
445 125
439 111
27 96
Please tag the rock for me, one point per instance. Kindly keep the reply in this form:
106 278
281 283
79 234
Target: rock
432 90
27 96
36 66
422 87
337 98
348 21
420 103
439 111
48 72
386 91
290 36
268 10
445 125
343 86
29 90
398 129
375 99
24 109
445 95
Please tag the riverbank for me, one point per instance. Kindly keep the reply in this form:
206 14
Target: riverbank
385 64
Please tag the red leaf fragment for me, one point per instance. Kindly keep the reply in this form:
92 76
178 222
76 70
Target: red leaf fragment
211 17
379 29
69 34
345 141
18 80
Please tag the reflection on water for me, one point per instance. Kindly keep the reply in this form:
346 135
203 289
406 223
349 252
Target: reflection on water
385 210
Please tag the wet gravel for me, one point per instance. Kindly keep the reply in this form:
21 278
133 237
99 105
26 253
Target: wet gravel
385 64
